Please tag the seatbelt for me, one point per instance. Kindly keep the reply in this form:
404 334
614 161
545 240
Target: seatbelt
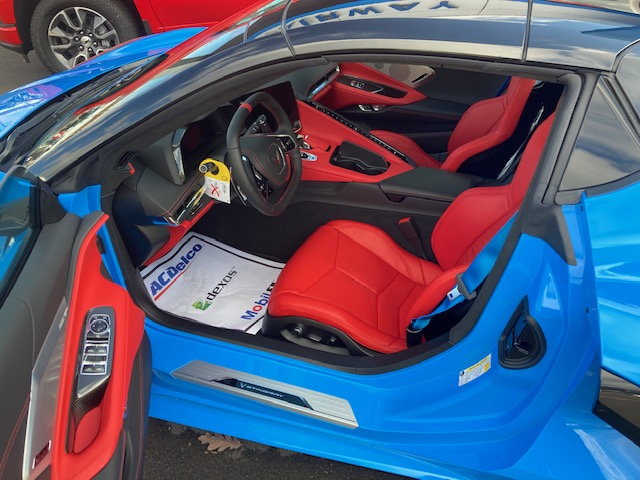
467 283
504 86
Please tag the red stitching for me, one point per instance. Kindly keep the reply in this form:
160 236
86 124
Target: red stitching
12 437
142 412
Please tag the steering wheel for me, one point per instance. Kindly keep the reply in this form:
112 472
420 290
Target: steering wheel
265 167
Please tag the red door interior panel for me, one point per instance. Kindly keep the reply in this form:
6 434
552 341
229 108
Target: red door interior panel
82 448
359 84
324 134
178 232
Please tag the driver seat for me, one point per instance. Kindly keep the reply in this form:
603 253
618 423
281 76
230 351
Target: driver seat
354 281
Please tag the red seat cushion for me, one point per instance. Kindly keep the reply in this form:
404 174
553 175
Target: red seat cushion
354 277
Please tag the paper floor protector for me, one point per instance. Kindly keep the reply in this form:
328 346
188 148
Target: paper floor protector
212 283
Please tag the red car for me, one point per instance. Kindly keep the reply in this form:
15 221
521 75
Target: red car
65 33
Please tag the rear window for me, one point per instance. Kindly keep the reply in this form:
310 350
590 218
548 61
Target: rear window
18 228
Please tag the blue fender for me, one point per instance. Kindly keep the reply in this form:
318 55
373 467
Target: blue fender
17 104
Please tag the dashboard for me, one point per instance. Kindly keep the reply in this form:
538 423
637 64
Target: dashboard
169 180
165 188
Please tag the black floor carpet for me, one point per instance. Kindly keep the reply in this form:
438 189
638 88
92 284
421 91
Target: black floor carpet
278 238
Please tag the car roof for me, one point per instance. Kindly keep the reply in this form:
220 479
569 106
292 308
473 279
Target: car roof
588 35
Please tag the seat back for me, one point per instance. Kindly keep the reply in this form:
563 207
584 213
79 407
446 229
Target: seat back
478 213
488 123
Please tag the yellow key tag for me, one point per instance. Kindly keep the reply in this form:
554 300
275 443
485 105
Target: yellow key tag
217 180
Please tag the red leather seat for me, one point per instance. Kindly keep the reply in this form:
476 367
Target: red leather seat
353 277
484 125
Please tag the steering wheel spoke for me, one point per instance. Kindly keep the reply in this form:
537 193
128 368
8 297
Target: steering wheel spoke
261 182
287 142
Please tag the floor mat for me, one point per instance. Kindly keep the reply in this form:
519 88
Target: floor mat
212 283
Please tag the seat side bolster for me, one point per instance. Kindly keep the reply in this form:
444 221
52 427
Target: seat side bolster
461 154
432 295
483 209
384 247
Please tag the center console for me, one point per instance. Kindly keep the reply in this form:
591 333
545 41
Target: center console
353 157
421 193
335 150
428 184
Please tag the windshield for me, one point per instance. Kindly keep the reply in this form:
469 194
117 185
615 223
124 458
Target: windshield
17 225
187 68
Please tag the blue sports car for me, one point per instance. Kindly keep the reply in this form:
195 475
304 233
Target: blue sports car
399 234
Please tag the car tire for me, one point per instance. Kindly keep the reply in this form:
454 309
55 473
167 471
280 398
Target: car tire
107 23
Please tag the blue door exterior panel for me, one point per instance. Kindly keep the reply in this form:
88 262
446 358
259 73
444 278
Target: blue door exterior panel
191 411
614 224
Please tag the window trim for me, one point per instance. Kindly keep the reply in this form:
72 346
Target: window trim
17 263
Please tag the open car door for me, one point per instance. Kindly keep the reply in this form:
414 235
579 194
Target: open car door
603 174
616 262
73 364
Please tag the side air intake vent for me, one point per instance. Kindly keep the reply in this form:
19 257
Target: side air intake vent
522 343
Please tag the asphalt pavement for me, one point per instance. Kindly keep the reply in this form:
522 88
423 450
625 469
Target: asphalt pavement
14 71
175 451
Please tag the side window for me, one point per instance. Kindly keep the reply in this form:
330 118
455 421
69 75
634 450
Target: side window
629 76
607 147
18 203
463 86
414 76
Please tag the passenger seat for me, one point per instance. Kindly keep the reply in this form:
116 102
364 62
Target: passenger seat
484 125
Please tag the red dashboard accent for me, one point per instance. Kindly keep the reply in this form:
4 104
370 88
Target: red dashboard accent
176 234
407 146
324 134
91 289
337 96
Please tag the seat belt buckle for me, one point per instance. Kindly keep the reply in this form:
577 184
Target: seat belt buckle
414 337
454 293
460 289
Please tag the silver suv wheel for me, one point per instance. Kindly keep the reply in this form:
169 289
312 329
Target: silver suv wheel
78 33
